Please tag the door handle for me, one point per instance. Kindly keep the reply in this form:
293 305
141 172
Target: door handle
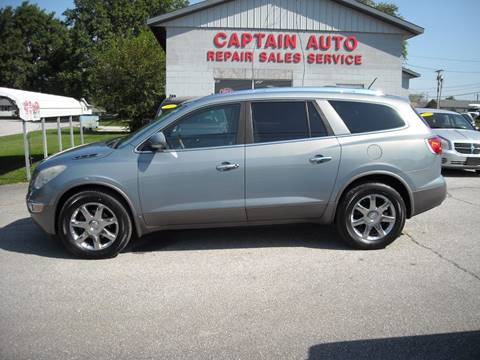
226 166
319 159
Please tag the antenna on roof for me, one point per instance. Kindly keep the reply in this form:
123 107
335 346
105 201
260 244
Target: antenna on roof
371 84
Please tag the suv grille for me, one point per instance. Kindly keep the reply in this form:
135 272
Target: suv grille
468 148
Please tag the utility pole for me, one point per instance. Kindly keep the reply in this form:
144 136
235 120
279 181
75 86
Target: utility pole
439 86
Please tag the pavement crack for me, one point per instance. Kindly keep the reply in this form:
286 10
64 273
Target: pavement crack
439 255
450 196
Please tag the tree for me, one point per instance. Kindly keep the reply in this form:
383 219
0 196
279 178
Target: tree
34 49
390 9
129 76
94 22
450 98
417 98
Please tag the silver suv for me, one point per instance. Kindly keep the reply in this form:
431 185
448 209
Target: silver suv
355 158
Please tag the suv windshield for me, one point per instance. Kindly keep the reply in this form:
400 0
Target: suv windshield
115 143
163 111
447 121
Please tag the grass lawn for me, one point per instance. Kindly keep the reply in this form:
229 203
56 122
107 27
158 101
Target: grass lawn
12 160
113 122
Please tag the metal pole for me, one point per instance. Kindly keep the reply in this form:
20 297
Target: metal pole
26 150
439 86
72 140
81 131
44 139
59 135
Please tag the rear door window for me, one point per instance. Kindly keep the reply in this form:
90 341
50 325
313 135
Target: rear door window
279 120
362 117
317 126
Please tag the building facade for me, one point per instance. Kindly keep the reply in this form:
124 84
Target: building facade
219 46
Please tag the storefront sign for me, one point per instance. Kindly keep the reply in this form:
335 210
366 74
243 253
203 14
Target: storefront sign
284 48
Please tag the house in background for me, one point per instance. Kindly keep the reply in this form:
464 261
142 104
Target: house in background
453 105
7 109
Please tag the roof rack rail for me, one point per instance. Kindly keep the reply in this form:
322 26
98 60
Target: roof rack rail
320 89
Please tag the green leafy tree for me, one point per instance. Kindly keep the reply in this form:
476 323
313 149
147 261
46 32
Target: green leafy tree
390 9
94 22
33 49
129 76
417 98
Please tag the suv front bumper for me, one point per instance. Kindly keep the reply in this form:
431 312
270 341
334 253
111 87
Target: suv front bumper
41 212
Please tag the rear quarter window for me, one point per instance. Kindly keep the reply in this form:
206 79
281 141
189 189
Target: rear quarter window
361 117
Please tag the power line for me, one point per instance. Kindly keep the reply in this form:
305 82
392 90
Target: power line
472 93
451 71
451 87
445 59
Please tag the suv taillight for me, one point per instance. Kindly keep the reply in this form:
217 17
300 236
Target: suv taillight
435 144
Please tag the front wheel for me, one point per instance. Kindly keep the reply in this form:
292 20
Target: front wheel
371 216
94 225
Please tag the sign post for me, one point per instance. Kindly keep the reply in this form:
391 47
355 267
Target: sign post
81 132
44 139
72 140
26 149
59 135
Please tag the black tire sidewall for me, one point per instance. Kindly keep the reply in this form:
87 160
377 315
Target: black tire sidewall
349 201
124 224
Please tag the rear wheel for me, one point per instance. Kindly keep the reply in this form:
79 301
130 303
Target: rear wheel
94 225
371 216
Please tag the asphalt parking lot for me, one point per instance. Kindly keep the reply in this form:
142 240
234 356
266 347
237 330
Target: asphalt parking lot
292 292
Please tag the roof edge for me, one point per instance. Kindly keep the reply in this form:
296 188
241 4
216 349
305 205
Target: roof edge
410 72
396 21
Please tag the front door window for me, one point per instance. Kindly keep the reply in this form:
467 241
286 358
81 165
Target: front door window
211 127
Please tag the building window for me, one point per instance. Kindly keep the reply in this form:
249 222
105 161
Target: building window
262 84
229 85
223 86
352 86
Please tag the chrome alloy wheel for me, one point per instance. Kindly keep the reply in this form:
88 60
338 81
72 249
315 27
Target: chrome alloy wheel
93 226
373 217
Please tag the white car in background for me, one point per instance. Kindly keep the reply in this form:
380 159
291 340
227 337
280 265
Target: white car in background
460 139
470 117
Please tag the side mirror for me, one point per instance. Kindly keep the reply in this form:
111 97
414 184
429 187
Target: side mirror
158 142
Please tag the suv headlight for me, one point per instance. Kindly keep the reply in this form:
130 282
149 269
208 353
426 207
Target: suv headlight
47 174
446 144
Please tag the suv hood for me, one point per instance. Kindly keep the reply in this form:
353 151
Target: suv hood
83 152
458 134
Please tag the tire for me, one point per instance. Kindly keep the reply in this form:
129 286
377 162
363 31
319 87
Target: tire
355 214
91 233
